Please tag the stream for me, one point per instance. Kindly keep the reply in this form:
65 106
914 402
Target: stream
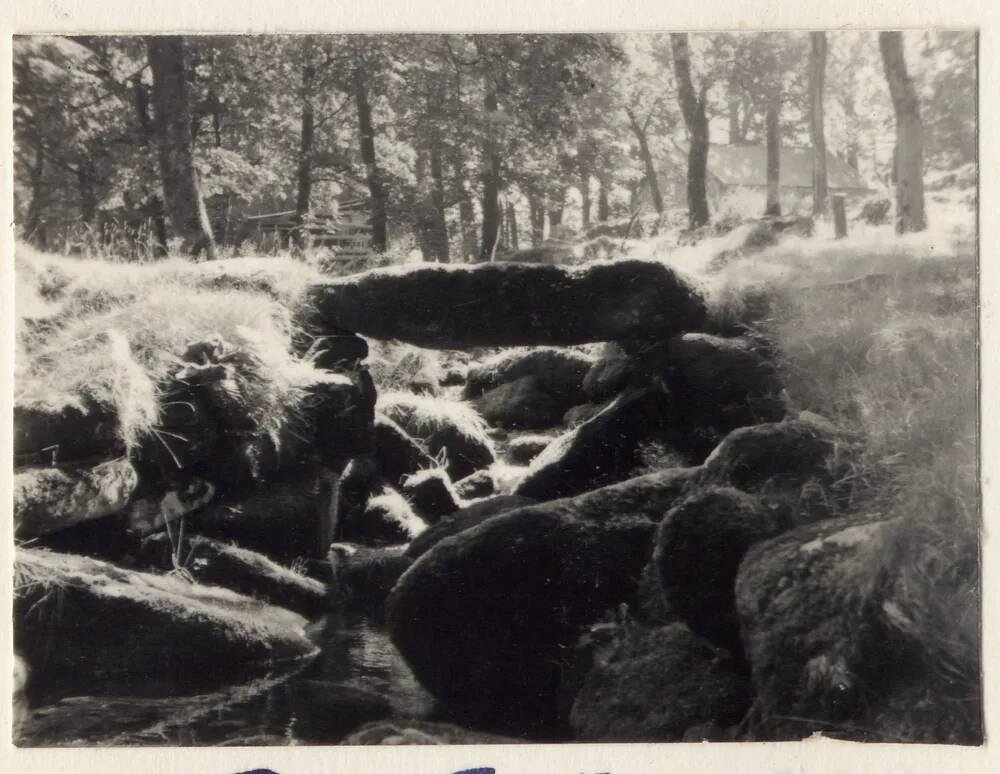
312 703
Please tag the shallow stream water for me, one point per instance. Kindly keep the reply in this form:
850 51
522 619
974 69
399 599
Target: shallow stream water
311 703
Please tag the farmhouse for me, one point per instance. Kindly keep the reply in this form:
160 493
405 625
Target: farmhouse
740 171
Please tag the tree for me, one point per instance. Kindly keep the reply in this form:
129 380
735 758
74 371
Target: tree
773 120
693 110
817 73
909 153
172 115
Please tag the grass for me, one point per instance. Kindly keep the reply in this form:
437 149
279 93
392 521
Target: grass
396 366
114 332
892 360
426 415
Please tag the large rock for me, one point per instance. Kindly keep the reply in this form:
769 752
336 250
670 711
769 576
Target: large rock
611 374
74 615
487 617
523 449
653 685
558 371
523 404
431 494
699 546
722 383
387 519
482 483
220 564
364 575
397 454
466 518
449 429
780 453
50 499
602 450
280 520
499 305
809 603
80 430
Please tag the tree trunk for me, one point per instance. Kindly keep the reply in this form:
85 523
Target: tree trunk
693 108
773 206
556 210
491 183
512 227
185 207
439 227
817 77
909 156
376 186
647 159
306 139
537 220
603 208
585 198
34 230
85 180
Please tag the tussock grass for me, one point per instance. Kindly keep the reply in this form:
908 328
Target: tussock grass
113 332
397 366
427 415
881 340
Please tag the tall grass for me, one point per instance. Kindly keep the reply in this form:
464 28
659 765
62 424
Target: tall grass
114 333
892 360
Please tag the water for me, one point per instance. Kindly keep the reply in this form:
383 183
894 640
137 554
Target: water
313 703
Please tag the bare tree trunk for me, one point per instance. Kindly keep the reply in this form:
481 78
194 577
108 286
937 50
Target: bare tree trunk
603 208
306 139
512 227
439 227
693 108
773 206
491 182
585 198
639 130
85 179
376 186
537 220
466 210
556 210
817 77
909 156
34 229
182 193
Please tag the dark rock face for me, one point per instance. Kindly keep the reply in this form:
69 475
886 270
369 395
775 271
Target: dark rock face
50 499
69 434
699 546
611 374
524 449
280 520
559 372
431 494
219 564
783 453
397 454
580 414
482 483
722 383
653 685
601 451
363 575
467 448
486 618
412 731
521 405
332 352
466 518
809 603
497 305
70 613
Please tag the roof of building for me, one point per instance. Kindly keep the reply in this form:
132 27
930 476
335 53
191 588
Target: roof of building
747 165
